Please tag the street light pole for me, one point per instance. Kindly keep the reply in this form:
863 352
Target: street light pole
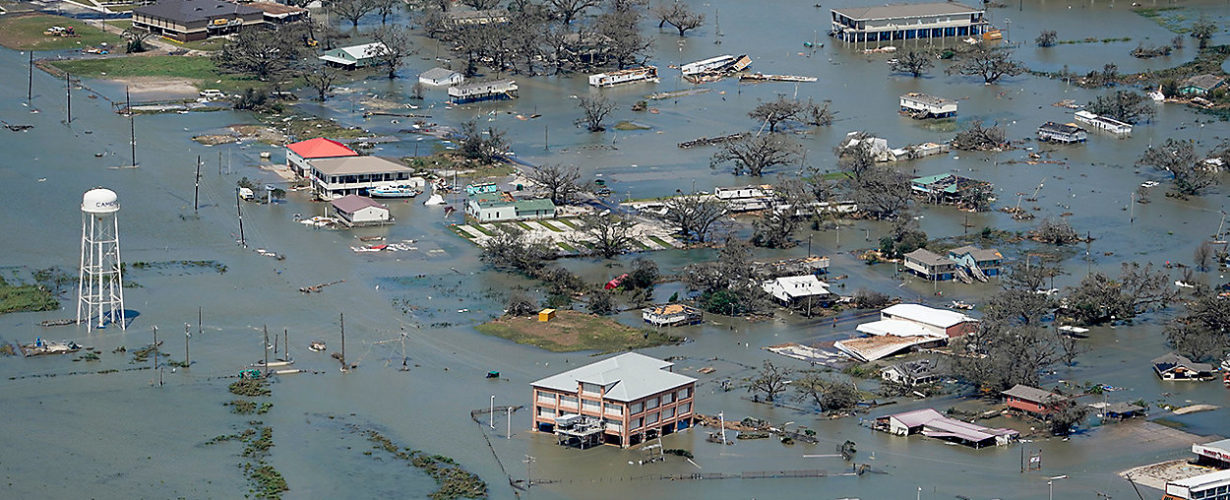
491 412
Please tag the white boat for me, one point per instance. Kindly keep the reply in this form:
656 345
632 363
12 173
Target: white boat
1149 184
401 191
273 364
1103 123
1225 365
434 200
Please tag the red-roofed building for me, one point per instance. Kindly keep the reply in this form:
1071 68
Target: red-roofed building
298 154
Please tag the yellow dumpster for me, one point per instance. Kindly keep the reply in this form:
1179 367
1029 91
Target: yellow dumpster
545 315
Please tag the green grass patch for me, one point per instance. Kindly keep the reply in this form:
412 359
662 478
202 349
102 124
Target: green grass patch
201 70
575 331
452 481
1166 17
524 226
25 32
661 242
834 176
550 226
460 232
23 298
640 245
566 246
120 23
570 223
208 44
482 229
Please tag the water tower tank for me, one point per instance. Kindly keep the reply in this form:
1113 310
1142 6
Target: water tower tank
100 201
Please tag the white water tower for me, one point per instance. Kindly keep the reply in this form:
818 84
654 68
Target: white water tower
100 285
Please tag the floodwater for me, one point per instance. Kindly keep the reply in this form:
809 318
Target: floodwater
68 431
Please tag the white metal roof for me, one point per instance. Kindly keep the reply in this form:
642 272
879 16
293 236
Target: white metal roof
895 327
927 315
627 377
364 51
791 287
1204 480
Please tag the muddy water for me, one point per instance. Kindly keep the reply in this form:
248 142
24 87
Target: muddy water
118 435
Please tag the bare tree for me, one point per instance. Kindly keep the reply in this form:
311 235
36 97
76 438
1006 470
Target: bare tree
265 54
610 234
979 138
694 216
829 395
771 380
386 8
395 47
989 63
624 45
882 193
914 63
561 183
1203 256
774 227
319 76
351 10
754 154
1202 332
817 115
511 249
776 112
520 304
1047 38
1123 105
854 155
595 110
567 10
1190 175
679 16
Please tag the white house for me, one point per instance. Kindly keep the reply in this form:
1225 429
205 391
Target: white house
336 177
357 210
355 56
911 320
300 153
925 106
440 77
793 289
877 147
499 211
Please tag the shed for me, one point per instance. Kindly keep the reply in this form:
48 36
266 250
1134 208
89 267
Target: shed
1201 84
357 210
546 315
440 77
671 315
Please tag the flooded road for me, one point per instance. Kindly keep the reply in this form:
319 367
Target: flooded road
70 431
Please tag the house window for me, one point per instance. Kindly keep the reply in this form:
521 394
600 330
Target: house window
546 412
652 403
668 413
568 402
637 408
590 405
651 418
546 398
613 409
685 408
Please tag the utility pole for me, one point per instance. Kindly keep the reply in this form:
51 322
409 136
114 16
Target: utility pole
68 93
155 347
286 344
187 336
242 241
132 126
30 80
508 413
196 190
200 312
546 138
528 481
491 413
265 348
341 319
809 246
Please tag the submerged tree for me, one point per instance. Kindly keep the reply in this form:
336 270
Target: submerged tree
694 216
351 10
882 193
679 16
771 380
990 64
1123 105
484 146
1189 173
1047 38
562 184
1203 31
395 47
914 63
1139 289
265 54
595 110
979 138
567 10
1055 232
610 234
754 154
1202 333
509 248
829 395
319 76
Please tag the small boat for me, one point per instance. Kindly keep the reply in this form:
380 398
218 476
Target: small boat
493 374
1182 284
274 364
1149 184
960 304
316 346
371 238
402 191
